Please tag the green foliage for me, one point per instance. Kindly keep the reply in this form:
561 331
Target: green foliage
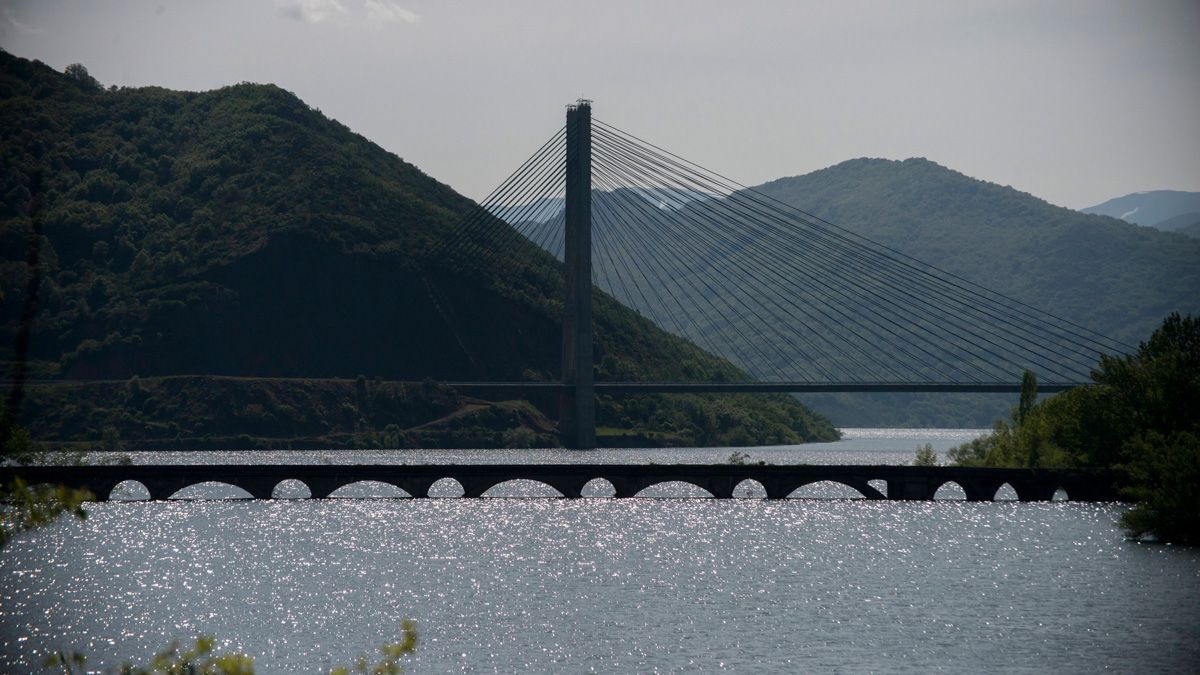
392 653
200 659
925 456
1166 473
1140 415
67 662
80 74
26 507
1028 396
710 420
1159 386
1060 432
15 443
215 412
110 439
1157 389
743 459
521 437
197 660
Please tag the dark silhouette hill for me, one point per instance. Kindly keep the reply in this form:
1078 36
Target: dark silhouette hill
240 232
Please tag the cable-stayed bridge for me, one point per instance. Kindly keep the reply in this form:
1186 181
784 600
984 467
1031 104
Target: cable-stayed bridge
798 302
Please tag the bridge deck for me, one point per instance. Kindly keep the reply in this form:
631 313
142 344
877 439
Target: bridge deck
759 387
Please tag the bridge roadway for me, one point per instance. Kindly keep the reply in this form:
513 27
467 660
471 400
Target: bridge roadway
486 389
901 482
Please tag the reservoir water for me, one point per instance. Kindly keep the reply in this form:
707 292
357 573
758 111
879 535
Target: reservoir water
607 585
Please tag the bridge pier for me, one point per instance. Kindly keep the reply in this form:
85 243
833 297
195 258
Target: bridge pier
777 488
911 487
722 487
577 406
1035 489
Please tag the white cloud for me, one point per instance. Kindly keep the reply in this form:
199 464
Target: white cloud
376 12
23 27
310 11
386 11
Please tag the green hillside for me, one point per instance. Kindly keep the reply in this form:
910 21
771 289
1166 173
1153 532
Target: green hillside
1106 274
240 232
1103 273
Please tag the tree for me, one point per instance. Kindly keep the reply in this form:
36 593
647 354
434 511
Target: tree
1028 396
360 394
110 439
79 74
925 456
1166 472
30 507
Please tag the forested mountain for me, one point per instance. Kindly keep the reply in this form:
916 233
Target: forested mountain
1103 273
1186 223
1166 210
1106 274
1192 230
240 232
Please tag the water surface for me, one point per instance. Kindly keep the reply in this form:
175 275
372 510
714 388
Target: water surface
553 585
857 446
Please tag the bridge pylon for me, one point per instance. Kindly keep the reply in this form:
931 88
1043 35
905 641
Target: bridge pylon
577 405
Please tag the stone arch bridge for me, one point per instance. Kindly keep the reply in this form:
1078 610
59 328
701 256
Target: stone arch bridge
719 480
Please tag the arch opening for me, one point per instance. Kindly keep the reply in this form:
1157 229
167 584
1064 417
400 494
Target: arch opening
369 489
674 489
879 484
1060 495
1005 493
522 488
291 488
826 489
446 488
598 487
211 489
128 491
950 491
749 489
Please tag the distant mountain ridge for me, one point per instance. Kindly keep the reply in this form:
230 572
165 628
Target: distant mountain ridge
1168 210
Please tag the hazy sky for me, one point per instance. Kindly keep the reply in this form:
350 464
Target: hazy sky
1073 101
